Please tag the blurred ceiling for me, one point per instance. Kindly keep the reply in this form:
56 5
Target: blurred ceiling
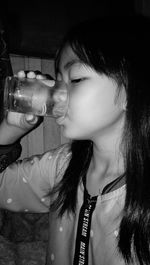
36 27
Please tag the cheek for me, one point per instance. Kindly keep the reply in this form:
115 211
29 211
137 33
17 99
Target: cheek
79 107
85 120
91 103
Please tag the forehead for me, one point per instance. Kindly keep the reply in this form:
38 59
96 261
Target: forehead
68 58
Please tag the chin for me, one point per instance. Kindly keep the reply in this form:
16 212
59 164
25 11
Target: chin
72 135
67 135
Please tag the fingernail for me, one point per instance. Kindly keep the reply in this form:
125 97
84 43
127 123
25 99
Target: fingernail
40 77
31 74
30 117
21 74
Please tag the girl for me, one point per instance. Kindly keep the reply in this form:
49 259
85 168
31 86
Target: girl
96 189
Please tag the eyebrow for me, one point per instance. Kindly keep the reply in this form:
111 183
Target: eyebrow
70 63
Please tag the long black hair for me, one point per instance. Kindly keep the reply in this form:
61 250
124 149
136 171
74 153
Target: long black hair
120 50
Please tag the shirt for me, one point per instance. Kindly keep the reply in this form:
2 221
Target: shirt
24 186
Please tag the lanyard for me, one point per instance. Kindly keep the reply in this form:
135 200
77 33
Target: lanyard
84 222
83 230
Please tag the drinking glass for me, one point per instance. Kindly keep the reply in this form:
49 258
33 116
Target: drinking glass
32 96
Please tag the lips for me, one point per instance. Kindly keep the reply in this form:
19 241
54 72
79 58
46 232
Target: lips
59 110
60 120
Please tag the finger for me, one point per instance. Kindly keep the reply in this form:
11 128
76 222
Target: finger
31 75
31 119
40 77
60 96
49 83
21 74
14 118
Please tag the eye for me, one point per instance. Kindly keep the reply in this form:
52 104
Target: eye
77 80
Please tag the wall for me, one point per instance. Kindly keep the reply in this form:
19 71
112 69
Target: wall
142 7
48 135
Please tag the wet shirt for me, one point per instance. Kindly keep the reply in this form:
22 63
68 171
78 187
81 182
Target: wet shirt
25 185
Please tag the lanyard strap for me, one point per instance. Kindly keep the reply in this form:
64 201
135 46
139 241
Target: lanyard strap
83 230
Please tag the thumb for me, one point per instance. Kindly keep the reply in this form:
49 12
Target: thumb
31 119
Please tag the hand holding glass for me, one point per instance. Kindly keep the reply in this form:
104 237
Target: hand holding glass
33 96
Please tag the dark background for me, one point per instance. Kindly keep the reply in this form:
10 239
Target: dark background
37 27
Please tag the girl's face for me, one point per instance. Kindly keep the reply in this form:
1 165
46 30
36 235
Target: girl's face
94 104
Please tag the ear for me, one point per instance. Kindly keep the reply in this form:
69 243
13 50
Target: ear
124 106
121 98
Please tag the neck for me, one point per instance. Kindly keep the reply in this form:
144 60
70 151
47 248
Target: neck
107 160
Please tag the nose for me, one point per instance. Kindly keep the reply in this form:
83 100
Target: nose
60 98
60 93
